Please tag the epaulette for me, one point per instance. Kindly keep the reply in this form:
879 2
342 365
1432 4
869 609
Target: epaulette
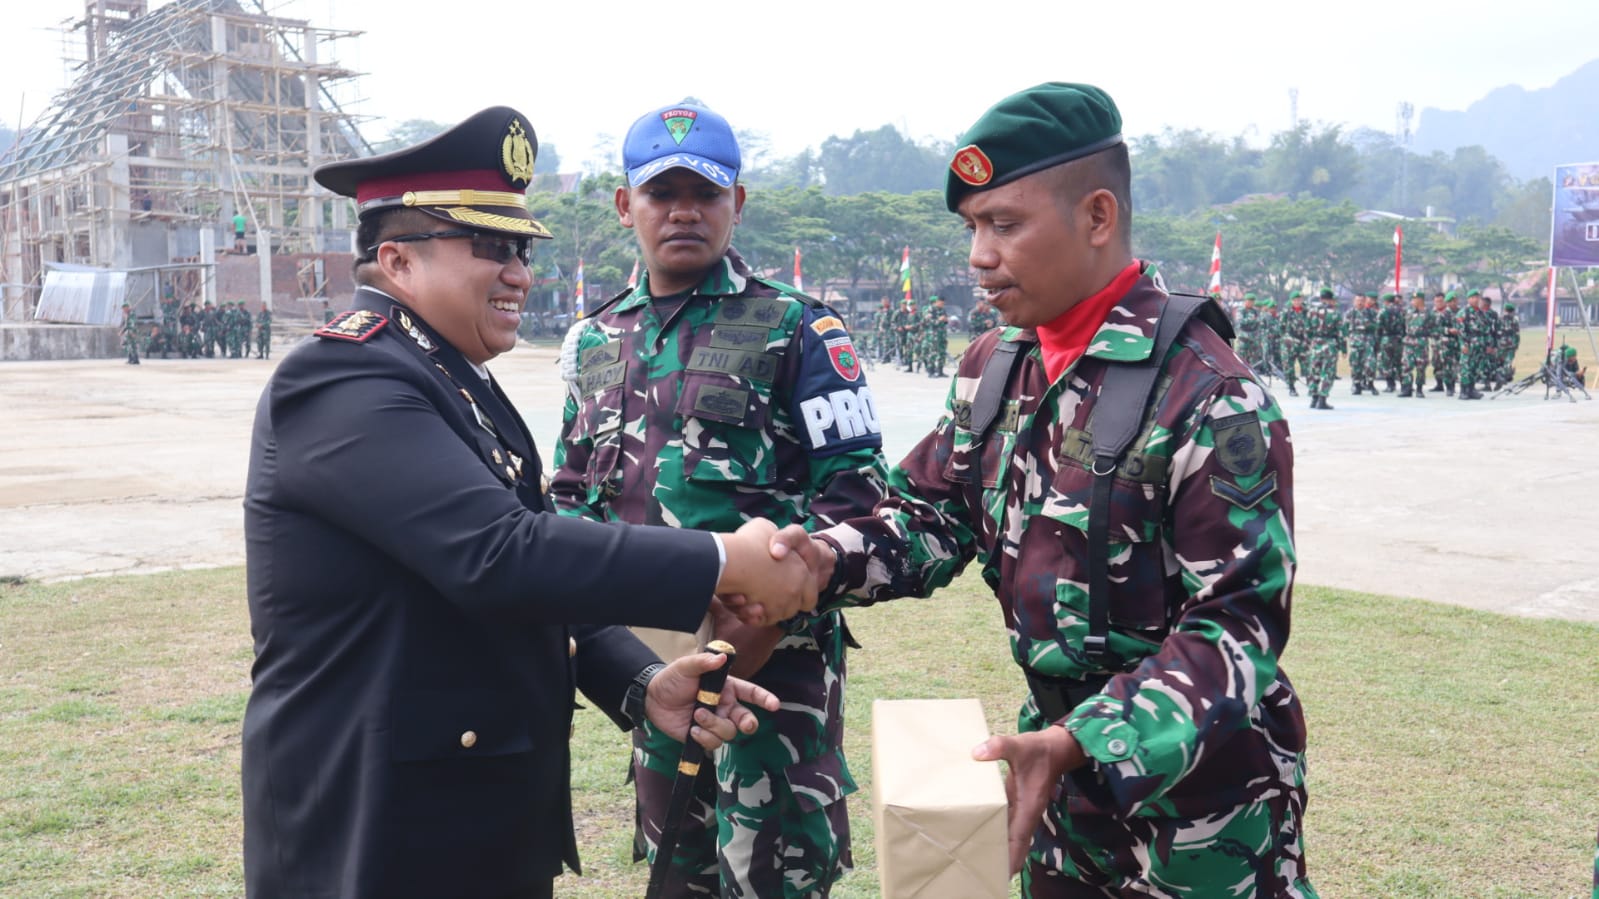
790 291
354 325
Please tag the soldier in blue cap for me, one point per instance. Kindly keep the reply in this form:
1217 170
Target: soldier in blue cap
703 396
420 618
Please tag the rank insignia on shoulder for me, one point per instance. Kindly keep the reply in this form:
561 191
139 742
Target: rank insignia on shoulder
354 325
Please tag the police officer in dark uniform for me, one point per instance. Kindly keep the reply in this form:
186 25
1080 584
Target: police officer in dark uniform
420 620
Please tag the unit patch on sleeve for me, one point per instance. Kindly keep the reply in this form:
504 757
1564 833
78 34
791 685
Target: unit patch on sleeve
1240 446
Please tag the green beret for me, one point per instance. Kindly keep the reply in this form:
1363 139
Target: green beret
1389 295
1269 303
1249 296
1450 297
1326 293
1419 295
1030 131
1509 306
1296 295
1569 351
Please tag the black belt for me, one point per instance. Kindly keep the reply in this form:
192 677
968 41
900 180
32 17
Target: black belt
1057 696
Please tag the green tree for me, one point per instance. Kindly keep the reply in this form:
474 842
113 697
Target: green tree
585 226
1500 255
880 160
1319 164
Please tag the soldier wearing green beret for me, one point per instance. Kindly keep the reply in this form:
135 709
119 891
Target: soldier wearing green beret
1418 333
1451 341
1326 340
1150 628
1247 328
1508 334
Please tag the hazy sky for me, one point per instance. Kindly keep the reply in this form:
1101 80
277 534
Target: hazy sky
799 72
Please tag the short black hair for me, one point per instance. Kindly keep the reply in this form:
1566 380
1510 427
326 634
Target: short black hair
382 225
1109 169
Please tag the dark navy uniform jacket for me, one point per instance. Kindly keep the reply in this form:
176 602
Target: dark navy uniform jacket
412 601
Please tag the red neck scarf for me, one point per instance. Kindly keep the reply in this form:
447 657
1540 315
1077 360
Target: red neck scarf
1065 339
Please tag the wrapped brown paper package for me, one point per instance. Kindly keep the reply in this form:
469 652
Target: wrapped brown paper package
940 815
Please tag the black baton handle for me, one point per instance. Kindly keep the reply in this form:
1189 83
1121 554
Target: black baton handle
688 770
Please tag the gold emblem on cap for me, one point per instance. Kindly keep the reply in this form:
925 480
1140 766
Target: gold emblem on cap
972 165
516 153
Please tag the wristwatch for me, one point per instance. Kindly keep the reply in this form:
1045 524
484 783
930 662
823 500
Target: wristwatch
633 699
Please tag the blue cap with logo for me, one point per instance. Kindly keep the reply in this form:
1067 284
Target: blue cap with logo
685 136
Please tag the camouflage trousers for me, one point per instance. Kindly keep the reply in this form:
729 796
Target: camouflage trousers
1248 349
1323 367
1391 366
1446 364
772 823
1414 370
1251 850
1476 365
1294 361
1362 361
934 354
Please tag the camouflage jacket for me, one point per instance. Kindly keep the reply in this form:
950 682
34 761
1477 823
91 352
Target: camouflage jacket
1248 324
1362 325
1200 715
1296 323
1418 326
1391 322
737 400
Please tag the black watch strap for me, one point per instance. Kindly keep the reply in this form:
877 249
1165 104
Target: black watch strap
633 699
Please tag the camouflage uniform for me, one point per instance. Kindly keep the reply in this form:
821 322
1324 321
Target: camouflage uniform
934 344
1271 336
1196 741
210 331
885 339
983 317
1447 365
1418 334
189 322
1391 341
906 323
263 334
1248 328
171 324
1326 334
1361 324
130 334
1509 338
1296 344
743 401
1478 349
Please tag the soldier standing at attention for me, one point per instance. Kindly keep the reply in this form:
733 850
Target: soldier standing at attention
1248 329
1271 335
906 323
130 334
263 333
1296 340
1418 336
704 397
1162 743
1361 323
1441 317
1509 334
421 618
983 317
1391 339
884 341
1451 340
1326 334
1474 325
935 338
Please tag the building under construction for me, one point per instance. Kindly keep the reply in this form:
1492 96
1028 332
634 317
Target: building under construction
181 117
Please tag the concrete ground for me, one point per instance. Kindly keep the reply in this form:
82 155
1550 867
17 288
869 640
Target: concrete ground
107 468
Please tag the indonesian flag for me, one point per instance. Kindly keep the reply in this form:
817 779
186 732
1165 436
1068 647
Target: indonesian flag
905 272
799 282
577 290
1399 251
1215 267
632 280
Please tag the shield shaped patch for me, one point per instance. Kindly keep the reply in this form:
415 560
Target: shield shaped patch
1240 445
845 362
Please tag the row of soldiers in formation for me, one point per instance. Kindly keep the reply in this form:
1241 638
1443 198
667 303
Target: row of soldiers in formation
192 332
1467 346
913 337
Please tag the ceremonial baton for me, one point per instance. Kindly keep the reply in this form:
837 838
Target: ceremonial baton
688 770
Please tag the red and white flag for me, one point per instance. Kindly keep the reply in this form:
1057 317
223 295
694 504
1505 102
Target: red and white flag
799 283
1215 268
1399 255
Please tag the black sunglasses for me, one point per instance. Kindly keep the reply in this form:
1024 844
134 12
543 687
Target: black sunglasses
500 248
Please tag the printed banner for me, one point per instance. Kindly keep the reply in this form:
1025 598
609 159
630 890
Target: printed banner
1574 237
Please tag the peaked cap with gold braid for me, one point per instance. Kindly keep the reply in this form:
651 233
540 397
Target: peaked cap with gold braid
475 174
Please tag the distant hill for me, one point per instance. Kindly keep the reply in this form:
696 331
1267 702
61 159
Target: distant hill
1531 132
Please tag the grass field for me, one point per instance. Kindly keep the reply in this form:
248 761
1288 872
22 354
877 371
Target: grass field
1452 752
